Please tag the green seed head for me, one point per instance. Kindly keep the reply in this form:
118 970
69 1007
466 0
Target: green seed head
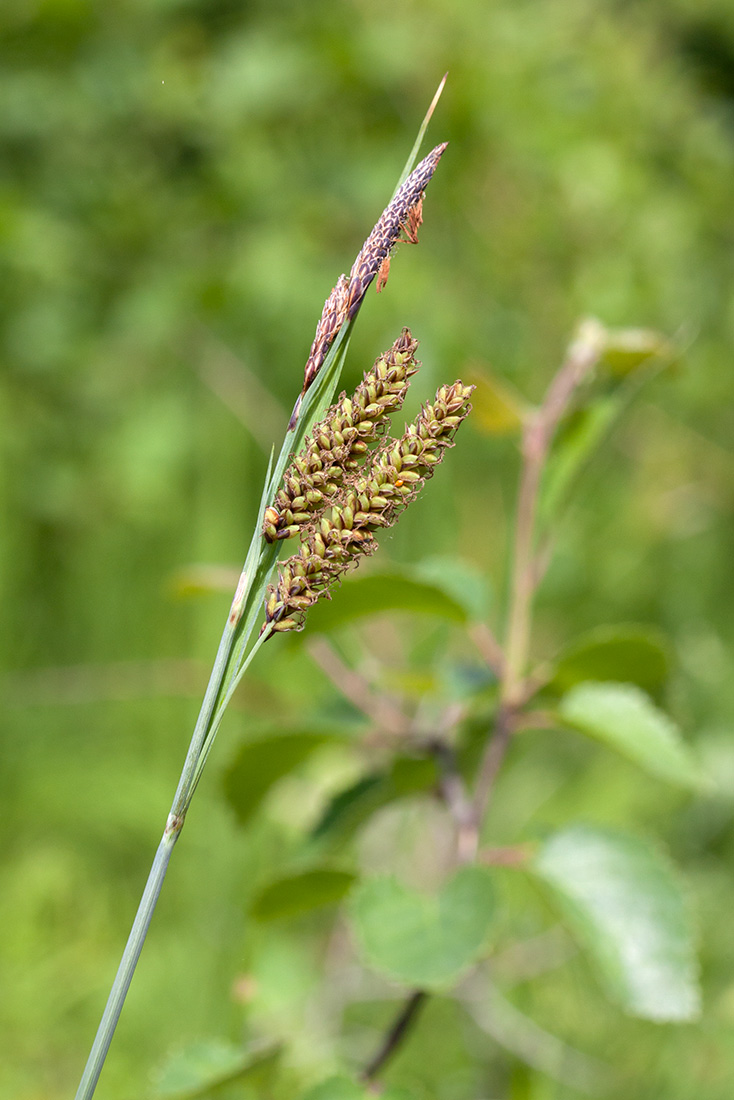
338 491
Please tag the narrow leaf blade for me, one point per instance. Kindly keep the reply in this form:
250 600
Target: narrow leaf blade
572 451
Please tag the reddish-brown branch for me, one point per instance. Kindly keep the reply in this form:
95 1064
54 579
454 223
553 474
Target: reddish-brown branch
528 566
539 431
489 647
384 711
516 855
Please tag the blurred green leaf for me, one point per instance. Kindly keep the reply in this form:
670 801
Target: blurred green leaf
350 808
199 580
259 764
625 352
623 717
336 1088
412 775
426 942
203 1066
296 894
344 1088
394 591
622 900
628 349
574 446
626 654
459 579
497 408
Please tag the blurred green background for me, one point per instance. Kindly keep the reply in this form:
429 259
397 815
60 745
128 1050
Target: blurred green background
181 181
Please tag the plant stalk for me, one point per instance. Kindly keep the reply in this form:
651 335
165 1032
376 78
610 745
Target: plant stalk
230 664
129 961
581 358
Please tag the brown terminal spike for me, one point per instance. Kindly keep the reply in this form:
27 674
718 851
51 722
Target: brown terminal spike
395 218
404 214
331 320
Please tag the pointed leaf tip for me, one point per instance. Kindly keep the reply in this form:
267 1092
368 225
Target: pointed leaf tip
626 719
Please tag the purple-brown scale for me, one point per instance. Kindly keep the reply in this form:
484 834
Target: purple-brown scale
402 215
386 233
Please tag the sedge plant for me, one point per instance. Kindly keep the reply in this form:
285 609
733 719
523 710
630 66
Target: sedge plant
338 479
343 474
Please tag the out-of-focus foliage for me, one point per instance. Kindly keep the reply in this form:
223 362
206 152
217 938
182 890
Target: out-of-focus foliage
181 181
426 943
622 898
623 717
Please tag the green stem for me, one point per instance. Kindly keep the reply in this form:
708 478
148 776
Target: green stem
229 666
129 961
231 661
523 574
201 742
182 797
